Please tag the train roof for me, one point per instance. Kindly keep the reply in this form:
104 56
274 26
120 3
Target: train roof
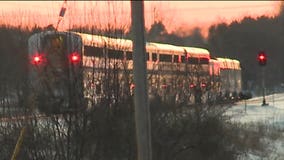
35 40
126 44
103 41
153 47
163 48
226 63
197 52
214 62
45 33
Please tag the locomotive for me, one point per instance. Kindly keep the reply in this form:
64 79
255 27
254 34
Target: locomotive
55 71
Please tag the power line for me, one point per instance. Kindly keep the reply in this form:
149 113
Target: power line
216 8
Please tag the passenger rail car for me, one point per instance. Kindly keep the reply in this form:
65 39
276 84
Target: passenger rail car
226 77
171 69
99 69
230 76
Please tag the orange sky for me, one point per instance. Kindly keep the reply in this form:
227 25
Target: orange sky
176 15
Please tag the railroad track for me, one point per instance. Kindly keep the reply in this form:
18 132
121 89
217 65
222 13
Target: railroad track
22 118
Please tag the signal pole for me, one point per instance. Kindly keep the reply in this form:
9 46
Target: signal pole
263 87
142 111
262 63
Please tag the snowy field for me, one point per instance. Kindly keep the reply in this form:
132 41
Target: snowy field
252 111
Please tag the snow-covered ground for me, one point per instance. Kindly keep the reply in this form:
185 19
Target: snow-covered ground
252 111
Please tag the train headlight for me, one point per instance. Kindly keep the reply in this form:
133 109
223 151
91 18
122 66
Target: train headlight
37 59
74 57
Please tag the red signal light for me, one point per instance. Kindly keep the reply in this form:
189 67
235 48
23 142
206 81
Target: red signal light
132 86
164 86
192 85
262 59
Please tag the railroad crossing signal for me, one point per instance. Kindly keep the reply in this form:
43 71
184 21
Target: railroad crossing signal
262 58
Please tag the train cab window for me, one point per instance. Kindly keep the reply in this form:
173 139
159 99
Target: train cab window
114 54
165 58
176 59
128 55
154 57
93 51
55 44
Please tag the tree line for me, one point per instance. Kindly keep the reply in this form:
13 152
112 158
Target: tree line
179 132
241 40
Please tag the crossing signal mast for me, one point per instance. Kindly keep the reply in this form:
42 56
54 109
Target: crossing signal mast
61 13
262 60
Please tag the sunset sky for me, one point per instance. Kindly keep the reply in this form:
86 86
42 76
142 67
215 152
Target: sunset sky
176 15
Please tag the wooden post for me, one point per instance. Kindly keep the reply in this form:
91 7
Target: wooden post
142 111
18 144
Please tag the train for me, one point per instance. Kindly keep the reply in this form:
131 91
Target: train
97 70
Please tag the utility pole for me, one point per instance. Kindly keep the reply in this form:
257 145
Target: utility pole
142 111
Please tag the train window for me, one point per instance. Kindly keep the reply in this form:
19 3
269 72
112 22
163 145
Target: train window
114 54
165 58
176 58
183 60
147 56
198 60
128 55
192 60
93 51
204 60
154 57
